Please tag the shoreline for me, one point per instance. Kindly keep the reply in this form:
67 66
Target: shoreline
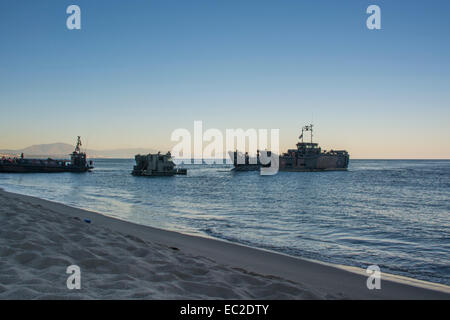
295 278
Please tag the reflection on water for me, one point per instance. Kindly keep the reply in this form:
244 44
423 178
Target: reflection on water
392 213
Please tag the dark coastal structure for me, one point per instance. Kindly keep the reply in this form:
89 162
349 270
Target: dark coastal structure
156 165
308 156
77 163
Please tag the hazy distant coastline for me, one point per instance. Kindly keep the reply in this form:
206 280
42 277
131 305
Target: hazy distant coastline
62 150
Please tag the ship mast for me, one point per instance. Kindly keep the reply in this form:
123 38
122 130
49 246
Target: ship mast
307 128
77 148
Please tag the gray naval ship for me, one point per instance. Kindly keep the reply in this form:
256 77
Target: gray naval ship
156 165
308 156
77 163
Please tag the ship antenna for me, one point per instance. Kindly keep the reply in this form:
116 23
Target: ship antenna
311 127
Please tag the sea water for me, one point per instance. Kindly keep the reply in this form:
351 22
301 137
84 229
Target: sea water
392 213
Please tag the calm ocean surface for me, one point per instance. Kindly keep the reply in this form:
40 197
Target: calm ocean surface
393 213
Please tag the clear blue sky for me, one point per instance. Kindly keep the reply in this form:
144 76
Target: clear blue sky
137 70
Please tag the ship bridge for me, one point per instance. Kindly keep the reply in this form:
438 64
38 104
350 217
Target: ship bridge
307 145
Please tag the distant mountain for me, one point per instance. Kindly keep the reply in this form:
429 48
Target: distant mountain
48 149
62 150
118 153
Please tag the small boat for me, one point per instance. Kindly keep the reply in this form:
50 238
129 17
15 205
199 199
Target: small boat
77 163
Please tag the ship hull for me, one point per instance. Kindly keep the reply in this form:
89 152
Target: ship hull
311 169
314 163
39 169
304 164
151 173
256 168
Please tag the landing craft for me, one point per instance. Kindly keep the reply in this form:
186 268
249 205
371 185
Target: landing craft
307 157
77 163
156 165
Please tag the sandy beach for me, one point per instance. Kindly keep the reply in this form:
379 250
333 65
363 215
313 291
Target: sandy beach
39 239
